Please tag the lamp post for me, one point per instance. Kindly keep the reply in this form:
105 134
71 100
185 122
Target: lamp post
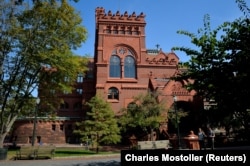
176 121
35 120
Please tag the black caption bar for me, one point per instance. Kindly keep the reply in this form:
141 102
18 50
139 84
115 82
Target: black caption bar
184 157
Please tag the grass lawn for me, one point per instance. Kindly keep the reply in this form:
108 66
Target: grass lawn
62 152
67 152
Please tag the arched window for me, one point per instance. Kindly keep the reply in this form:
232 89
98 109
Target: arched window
129 67
115 66
113 93
122 63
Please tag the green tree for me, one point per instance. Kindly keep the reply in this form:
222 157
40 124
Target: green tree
35 49
144 113
174 116
101 125
218 67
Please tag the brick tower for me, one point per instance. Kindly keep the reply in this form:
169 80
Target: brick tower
124 67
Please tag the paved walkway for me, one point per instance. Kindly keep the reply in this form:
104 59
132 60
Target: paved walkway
102 160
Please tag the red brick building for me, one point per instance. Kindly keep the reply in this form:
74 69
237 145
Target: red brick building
122 68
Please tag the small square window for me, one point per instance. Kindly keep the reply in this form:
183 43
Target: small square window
135 33
65 92
61 127
66 79
54 127
79 91
80 78
129 32
122 32
69 127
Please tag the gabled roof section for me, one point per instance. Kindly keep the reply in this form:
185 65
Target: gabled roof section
158 83
161 58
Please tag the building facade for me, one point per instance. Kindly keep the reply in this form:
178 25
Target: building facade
122 67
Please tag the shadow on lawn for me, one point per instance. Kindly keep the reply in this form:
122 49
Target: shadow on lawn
75 152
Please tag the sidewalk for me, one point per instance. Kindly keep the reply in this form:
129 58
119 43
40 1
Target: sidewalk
95 160
233 148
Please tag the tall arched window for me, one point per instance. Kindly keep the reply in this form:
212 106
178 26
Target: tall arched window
129 67
113 93
115 66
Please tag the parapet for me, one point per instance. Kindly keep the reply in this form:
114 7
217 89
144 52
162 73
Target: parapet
101 15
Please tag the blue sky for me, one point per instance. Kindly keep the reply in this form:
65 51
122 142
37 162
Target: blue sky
163 17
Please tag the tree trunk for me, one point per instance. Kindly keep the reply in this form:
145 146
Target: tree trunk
227 128
97 143
151 134
97 149
4 130
247 130
2 137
